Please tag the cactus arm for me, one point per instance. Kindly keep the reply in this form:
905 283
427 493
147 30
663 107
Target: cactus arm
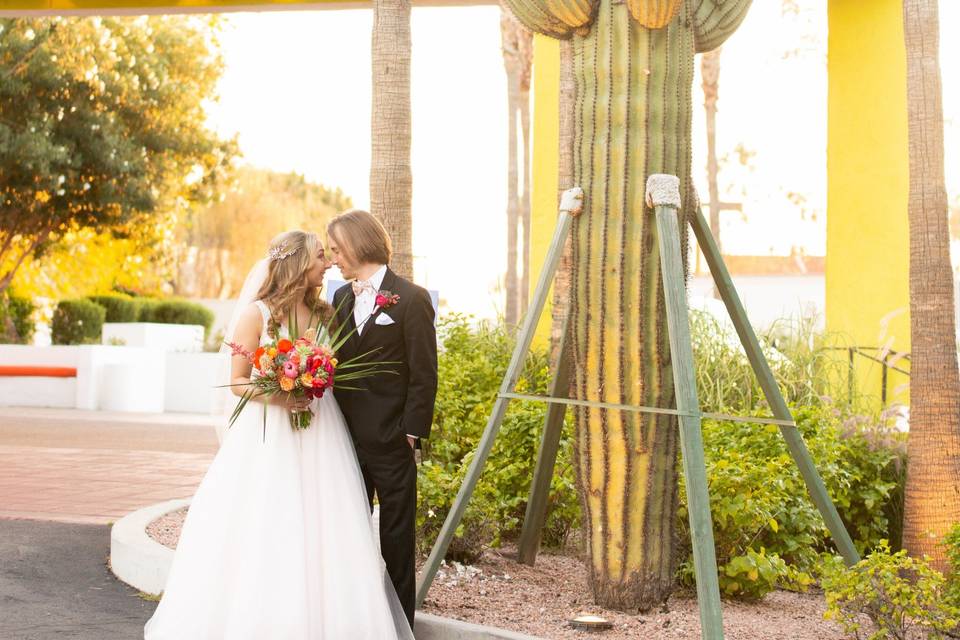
554 18
574 13
653 14
715 20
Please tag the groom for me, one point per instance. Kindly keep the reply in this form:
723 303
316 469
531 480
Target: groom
394 319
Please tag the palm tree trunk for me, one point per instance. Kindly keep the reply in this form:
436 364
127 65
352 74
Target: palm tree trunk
561 282
511 64
933 475
710 70
391 178
525 50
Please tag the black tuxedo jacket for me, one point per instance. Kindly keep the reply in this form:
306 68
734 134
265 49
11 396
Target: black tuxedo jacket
388 407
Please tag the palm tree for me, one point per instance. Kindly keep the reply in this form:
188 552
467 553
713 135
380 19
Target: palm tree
562 280
525 51
517 47
933 475
391 178
511 63
710 72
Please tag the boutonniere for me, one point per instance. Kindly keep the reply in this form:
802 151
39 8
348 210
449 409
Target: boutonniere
386 299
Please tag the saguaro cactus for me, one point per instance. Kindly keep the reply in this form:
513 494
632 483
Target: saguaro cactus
633 65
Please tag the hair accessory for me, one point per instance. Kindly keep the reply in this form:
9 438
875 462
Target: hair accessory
280 252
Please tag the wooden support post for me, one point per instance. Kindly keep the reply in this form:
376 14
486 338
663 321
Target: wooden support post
536 514
663 193
571 204
795 443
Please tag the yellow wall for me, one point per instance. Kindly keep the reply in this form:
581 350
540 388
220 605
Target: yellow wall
545 161
867 179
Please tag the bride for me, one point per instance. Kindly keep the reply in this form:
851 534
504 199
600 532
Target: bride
278 542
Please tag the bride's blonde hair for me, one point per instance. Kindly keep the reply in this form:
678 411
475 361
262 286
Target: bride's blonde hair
290 255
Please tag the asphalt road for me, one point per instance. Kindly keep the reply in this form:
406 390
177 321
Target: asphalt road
54 583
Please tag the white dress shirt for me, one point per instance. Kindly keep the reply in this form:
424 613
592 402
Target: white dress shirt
367 300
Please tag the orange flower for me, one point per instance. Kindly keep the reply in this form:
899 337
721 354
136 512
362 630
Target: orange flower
256 357
265 363
306 380
284 345
272 352
287 384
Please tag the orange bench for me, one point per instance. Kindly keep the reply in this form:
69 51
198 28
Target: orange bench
38 371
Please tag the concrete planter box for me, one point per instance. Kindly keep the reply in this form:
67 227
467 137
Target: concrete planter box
191 383
167 337
121 378
114 378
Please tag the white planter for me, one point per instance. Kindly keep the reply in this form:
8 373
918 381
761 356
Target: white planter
136 558
192 380
124 386
168 337
60 393
116 378
30 391
121 379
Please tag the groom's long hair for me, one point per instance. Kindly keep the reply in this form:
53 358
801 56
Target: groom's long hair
291 254
363 235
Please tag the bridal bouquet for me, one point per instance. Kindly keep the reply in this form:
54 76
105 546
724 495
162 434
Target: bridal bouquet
303 367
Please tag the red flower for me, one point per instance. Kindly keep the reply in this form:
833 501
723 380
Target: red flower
386 299
284 346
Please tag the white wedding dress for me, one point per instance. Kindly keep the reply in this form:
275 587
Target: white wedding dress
279 543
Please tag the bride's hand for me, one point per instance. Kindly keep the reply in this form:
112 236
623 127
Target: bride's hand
292 401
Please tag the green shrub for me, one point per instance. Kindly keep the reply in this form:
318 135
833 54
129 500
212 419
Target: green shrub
802 361
177 312
119 307
768 532
77 322
472 362
762 513
436 489
952 544
16 320
902 596
145 308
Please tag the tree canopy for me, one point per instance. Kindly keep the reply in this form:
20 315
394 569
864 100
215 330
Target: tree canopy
102 126
221 241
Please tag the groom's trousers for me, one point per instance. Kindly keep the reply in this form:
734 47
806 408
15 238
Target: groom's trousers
392 476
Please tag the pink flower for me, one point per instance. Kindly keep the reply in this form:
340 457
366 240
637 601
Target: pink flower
290 369
386 299
237 350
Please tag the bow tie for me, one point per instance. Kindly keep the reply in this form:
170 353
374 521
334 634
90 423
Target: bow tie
360 286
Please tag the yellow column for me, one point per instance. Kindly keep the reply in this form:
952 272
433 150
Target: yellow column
545 164
867 294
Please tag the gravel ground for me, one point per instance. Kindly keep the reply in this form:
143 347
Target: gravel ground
540 600
166 528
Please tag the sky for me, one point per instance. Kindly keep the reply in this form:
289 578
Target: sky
296 89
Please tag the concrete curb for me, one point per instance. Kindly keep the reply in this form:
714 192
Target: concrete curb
143 563
135 557
430 627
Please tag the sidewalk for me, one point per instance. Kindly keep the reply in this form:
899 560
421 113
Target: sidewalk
94 467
